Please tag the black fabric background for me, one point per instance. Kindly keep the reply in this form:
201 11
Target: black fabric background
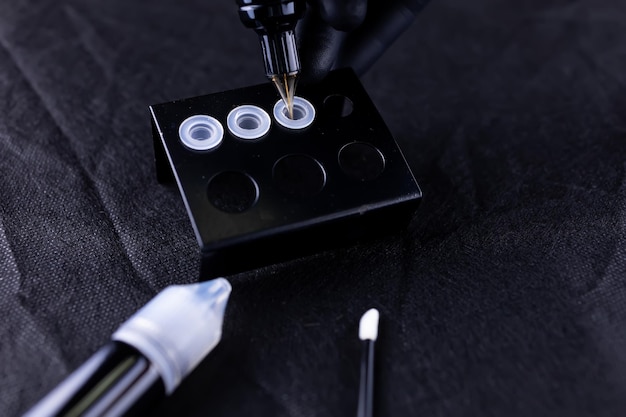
505 296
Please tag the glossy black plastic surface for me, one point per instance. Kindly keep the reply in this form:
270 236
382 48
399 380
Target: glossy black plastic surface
291 192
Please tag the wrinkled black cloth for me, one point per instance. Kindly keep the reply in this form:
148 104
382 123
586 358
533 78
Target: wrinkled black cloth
505 296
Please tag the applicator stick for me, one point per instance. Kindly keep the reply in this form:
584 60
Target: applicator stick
368 332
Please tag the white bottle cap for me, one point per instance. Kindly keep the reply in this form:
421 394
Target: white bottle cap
178 328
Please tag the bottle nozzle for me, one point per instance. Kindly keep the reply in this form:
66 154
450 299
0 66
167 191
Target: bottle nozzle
178 327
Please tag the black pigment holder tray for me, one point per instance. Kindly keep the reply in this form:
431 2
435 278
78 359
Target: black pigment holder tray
290 192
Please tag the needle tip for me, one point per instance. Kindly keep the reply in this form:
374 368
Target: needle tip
286 86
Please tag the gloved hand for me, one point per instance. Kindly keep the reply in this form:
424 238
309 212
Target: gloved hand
350 33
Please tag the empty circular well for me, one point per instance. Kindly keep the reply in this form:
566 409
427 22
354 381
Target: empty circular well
303 113
232 191
248 122
361 161
201 132
338 106
299 175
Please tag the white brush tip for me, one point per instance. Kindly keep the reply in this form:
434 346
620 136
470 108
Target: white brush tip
368 327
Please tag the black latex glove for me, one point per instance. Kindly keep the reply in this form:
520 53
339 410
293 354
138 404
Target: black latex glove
350 33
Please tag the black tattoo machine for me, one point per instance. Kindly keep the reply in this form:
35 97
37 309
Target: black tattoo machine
275 21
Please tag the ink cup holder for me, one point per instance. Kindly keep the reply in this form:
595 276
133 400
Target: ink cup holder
261 188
